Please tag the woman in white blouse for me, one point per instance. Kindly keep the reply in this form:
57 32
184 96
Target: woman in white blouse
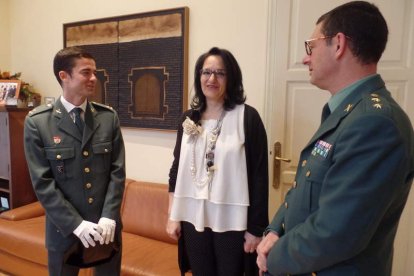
219 178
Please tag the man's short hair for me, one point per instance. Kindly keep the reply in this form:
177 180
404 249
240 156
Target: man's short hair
364 26
65 60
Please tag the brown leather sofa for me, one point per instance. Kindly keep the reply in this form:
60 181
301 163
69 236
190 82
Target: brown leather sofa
147 250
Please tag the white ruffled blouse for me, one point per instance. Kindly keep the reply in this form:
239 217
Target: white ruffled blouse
222 205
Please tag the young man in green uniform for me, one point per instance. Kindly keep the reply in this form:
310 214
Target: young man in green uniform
76 157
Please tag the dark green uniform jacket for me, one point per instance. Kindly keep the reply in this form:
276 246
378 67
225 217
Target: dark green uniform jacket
352 182
75 178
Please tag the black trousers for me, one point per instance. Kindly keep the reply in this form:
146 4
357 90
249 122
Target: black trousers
214 254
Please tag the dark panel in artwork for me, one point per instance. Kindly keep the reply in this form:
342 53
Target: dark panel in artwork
144 55
108 73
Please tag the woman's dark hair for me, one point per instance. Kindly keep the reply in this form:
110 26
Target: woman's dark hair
363 24
234 93
65 60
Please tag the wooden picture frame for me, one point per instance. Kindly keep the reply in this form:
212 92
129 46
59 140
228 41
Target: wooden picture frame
9 92
142 64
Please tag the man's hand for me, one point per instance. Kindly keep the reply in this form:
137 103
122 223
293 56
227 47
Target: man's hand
108 229
250 242
174 229
86 230
263 250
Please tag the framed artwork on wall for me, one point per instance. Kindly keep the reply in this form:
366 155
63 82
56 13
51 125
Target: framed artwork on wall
142 64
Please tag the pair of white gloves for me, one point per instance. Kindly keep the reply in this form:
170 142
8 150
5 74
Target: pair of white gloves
103 231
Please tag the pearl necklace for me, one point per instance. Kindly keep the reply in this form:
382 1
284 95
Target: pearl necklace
212 137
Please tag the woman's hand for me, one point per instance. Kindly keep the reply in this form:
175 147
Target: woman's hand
250 242
173 229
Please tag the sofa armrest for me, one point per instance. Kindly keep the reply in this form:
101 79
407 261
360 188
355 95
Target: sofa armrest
24 212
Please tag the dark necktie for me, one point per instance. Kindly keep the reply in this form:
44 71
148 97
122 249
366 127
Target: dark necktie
78 120
326 111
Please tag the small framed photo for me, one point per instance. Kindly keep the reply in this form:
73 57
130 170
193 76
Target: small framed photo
49 100
4 203
9 92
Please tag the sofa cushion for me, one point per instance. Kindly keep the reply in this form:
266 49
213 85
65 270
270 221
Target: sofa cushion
144 256
30 210
24 238
144 210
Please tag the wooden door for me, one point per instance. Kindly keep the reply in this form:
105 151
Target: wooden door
293 105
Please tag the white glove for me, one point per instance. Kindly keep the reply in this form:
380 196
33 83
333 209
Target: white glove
86 230
108 229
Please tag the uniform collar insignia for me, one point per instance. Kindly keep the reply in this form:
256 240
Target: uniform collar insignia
348 108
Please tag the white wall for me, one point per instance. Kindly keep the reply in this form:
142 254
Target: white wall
36 34
4 36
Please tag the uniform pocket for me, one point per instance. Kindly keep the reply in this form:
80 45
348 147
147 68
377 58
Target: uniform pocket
315 178
102 156
60 160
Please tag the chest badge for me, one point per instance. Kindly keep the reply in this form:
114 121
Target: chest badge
57 139
321 148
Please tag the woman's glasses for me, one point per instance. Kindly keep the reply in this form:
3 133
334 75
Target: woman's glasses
219 73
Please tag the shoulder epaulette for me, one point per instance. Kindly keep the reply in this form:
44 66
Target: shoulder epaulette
376 102
40 109
102 106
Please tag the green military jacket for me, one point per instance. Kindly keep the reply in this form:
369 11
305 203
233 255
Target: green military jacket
352 182
75 178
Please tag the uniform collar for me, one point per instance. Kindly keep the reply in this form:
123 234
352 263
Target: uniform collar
69 106
337 99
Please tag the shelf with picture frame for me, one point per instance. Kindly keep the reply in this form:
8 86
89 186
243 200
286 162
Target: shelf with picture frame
15 184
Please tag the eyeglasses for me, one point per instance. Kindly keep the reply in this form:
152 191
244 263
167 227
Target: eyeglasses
308 46
219 74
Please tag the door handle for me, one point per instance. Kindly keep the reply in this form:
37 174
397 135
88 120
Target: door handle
282 159
277 150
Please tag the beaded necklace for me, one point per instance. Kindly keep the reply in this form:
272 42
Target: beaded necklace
212 137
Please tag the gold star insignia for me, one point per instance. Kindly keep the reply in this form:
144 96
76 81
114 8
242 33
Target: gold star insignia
348 108
375 100
58 111
377 105
374 95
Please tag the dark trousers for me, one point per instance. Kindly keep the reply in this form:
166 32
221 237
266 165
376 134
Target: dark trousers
214 254
58 268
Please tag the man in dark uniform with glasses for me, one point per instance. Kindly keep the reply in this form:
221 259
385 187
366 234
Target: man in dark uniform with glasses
355 174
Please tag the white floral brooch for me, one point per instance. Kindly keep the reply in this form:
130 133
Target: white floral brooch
191 128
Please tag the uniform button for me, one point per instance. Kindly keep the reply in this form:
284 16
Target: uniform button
58 157
87 170
88 185
90 200
294 185
283 226
106 150
304 163
308 173
85 153
286 205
